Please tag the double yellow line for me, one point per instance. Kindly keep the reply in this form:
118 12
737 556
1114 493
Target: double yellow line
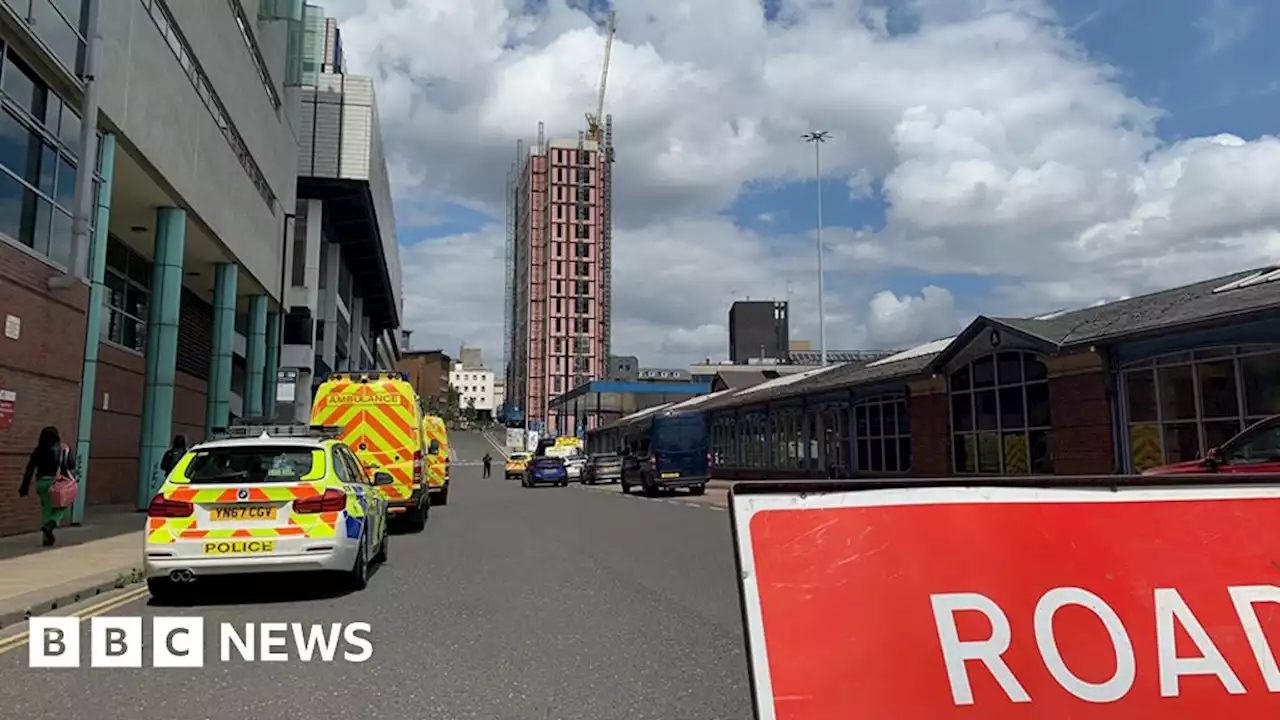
14 642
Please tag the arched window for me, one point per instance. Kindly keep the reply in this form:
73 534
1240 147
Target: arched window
1178 406
882 431
1000 415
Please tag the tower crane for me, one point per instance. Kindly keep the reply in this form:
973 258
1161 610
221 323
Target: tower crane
595 119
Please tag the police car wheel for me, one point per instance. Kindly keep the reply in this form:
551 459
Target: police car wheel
417 518
698 490
358 575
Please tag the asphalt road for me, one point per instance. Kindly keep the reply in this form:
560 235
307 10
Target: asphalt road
519 604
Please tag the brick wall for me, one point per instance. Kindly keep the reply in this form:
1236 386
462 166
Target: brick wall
428 372
42 366
1082 442
930 431
117 423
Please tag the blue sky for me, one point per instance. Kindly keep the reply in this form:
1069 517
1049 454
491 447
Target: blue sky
1200 61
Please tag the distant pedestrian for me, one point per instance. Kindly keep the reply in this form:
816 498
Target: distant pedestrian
171 456
49 462
487 460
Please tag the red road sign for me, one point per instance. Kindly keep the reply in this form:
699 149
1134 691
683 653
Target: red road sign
1011 603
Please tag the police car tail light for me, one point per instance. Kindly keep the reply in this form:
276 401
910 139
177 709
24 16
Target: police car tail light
163 507
331 501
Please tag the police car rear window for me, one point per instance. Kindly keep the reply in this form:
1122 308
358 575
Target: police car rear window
255 464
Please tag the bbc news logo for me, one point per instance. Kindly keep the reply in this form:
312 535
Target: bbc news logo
179 642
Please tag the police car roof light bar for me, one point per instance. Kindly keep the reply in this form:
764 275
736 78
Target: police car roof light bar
298 430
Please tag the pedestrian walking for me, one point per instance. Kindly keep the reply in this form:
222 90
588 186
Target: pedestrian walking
487 460
175 452
51 463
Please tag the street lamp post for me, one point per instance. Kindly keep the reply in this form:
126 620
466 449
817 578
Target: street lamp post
818 137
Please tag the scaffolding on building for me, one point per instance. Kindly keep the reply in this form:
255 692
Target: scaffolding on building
606 244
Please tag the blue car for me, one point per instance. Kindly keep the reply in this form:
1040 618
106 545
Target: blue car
545 470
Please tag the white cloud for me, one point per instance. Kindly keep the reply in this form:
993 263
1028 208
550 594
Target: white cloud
1001 147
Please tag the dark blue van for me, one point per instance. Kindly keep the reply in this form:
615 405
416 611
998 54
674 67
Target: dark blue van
670 450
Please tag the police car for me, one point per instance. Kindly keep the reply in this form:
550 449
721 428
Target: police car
265 498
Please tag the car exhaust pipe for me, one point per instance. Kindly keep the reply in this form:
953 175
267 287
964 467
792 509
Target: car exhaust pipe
182 576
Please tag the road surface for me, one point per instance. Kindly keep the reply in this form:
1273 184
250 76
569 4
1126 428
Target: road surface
520 604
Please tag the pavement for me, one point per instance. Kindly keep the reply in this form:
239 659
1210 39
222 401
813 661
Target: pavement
572 603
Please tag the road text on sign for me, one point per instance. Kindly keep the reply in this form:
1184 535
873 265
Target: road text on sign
940 603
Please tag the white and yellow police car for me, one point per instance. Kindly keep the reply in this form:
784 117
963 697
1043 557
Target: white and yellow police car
259 498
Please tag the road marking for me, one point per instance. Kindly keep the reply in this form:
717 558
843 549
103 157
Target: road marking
14 642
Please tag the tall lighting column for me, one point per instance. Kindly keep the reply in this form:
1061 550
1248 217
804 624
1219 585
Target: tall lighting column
818 137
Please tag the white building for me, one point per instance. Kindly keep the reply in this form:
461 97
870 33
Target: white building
474 385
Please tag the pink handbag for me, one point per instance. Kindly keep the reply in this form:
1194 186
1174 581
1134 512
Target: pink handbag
63 492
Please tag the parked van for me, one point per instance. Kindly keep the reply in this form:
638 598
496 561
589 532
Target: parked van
382 423
437 435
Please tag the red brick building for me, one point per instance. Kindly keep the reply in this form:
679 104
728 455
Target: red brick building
1116 388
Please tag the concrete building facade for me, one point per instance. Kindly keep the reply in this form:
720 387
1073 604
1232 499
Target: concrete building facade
344 296
475 387
559 284
169 321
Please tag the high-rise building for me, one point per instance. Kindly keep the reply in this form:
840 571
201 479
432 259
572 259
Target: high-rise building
558 266
758 330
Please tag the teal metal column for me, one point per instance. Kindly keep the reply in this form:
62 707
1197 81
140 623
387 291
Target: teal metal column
93 320
273 365
255 356
217 412
162 349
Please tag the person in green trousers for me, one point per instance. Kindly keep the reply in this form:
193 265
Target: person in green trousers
49 458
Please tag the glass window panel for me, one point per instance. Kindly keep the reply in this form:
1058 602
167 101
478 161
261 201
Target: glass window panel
962 412
1009 368
874 427
41 214
65 193
1181 442
135 301
864 455
1261 375
1016 459
984 371
989 452
57 34
1174 358
59 235
904 454
1145 449
877 456
1012 412
115 289
985 409
1209 353
964 453
69 131
1218 389
960 379
1177 393
1039 452
1218 432
48 170
1033 368
134 334
15 145
11 192
52 112
139 270
117 255
1140 389
889 411
1038 404
22 85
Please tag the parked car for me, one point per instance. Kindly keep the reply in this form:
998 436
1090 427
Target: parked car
574 465
1254 451
545 471
603 467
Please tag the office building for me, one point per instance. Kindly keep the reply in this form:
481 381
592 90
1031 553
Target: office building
344 297
558 264
470 357
758 331
175 327
428 372
475 388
